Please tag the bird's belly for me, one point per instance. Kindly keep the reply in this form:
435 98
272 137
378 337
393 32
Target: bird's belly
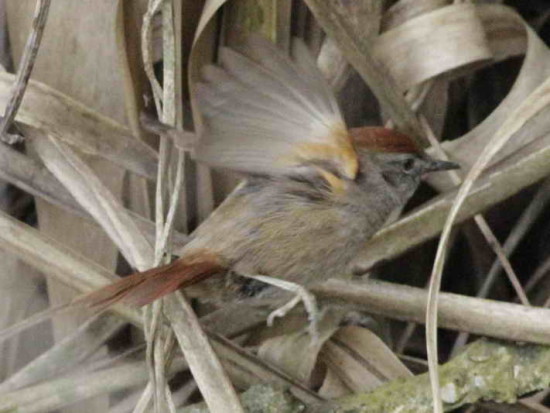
305 254
297 242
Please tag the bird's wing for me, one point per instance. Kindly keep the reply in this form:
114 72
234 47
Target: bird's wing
266 113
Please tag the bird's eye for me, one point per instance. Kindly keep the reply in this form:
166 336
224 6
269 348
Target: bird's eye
408 165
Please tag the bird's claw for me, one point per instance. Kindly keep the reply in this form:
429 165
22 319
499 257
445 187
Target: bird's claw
301 294
310 305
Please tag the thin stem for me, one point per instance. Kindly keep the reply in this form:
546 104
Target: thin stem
25 68
147 50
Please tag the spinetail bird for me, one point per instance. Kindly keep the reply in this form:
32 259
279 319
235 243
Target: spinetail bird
314 191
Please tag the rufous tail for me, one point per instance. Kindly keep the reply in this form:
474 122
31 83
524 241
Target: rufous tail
137 289
145 287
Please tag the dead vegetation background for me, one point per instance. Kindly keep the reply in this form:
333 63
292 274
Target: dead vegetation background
88 191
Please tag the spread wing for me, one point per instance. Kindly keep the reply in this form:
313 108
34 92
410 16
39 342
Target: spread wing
266 113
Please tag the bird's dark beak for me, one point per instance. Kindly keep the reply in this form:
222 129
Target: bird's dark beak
434 165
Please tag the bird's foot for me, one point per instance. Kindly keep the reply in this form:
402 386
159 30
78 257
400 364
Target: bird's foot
301 295
310 305
283 310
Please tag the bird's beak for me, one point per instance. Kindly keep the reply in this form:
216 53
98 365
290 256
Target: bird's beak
434 165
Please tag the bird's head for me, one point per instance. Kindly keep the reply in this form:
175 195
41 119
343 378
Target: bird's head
400 163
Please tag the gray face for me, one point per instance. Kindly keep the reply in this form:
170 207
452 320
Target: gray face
403 171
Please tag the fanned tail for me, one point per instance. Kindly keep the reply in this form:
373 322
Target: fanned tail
145 287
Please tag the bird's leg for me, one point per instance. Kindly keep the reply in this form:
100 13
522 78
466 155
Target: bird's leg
302 294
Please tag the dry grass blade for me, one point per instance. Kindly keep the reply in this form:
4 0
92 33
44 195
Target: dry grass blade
147 50
332 62
25 69
56 260
204 364
536 102
61 392
32 177
503 259
66 353
88 190
158 344
208 372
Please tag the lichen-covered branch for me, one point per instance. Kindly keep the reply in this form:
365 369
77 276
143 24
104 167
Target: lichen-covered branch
486 370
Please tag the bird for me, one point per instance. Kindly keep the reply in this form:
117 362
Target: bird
314 191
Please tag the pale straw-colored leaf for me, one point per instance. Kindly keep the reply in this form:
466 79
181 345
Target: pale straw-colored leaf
507 35
421 48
